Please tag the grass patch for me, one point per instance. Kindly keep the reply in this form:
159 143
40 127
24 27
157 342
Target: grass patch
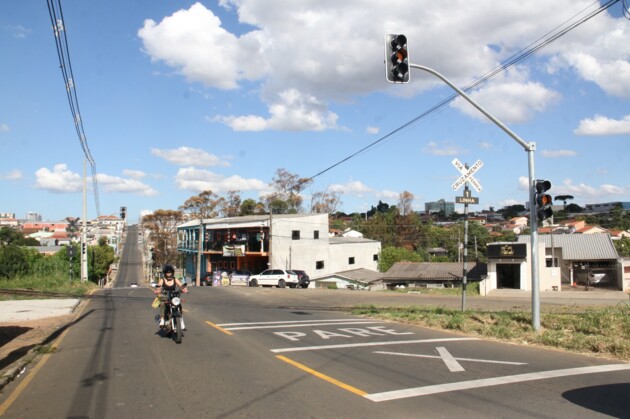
46 349
603 331
30 287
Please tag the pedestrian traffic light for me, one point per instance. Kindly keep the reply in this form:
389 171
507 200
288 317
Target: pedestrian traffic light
396 58
542 200
123 212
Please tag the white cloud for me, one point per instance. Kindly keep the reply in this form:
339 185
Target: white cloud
523 183
511 100
4 128
202 180
443 150
59 180
118 184
188 156
485 145
388 195
558 153
601 125
12 175
330 53
355 187
372 130
292 111
134 174
583 191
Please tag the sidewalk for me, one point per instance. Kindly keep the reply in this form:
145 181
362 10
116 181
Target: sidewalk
26 325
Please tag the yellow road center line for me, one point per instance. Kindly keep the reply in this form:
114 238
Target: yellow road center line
323 376
227 332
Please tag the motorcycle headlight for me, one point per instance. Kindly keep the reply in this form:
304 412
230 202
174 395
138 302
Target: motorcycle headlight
175 301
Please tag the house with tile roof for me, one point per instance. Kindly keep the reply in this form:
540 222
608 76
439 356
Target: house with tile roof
431 274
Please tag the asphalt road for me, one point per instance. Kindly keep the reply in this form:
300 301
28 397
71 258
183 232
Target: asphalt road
267 352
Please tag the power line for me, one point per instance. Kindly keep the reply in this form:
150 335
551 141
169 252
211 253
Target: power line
63 53
512 60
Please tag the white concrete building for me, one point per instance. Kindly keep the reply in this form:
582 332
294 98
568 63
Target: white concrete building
288 241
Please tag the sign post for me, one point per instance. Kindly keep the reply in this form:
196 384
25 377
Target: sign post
466 178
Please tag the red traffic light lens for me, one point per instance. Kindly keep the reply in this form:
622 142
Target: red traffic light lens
543 200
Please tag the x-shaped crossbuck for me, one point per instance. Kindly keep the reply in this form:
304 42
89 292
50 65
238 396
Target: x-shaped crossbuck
467 175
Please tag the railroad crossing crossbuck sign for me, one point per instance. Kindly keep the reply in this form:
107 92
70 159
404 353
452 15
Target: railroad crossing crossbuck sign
467 176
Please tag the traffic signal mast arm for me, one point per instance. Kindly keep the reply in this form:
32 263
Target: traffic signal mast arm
533 219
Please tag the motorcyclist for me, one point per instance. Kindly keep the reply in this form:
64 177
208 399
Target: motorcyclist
168 283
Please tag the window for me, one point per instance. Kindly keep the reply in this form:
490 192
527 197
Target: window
375 258
295 234
351 261
316 234
319 264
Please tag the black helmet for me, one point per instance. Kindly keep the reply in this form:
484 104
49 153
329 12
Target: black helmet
168 268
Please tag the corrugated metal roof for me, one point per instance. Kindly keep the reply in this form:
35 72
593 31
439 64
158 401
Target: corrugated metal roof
433 271
579 246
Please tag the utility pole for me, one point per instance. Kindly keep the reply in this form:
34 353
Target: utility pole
84 258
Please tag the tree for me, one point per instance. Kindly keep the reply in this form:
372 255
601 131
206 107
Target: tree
100 259
9 235
512 211
231 207
390 255
251 207
286 187
13 261
405 202
564 199
205 205
163 226
325 202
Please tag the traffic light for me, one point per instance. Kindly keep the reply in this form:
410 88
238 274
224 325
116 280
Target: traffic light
123 212
396 58
543 200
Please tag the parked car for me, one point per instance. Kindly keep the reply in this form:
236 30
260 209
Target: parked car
303 278
240 277
597 278
275 278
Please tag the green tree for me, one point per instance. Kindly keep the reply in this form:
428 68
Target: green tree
390 255
13 261
100 258
9 235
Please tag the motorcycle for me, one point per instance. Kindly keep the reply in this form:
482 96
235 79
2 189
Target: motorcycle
173 320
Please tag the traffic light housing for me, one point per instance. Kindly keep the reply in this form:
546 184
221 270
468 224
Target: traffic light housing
542 200
396 58
123 212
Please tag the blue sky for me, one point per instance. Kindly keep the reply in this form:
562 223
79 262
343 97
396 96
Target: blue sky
177 97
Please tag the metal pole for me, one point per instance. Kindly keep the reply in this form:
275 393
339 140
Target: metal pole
529 148
84 261
464 278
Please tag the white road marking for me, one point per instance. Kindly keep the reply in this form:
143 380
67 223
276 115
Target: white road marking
292 325
451 363
294 321
358 345
487 382
488 361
